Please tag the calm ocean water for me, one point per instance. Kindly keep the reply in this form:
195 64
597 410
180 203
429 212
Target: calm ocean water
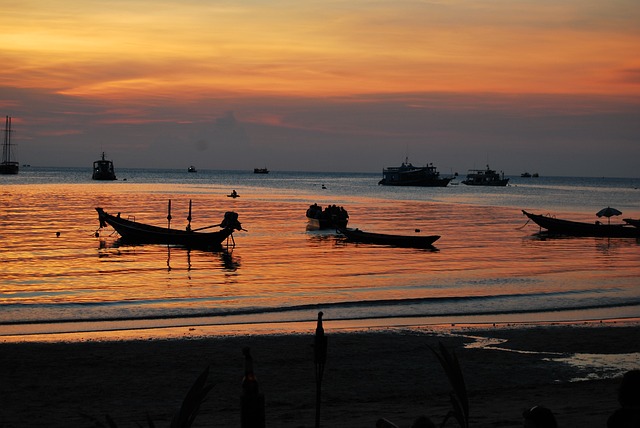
488 266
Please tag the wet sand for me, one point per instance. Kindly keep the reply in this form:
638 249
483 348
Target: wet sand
369 375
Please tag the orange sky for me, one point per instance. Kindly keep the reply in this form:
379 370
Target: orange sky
141 52
322 48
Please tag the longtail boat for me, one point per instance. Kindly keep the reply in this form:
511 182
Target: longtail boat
556 226
411 241
138 233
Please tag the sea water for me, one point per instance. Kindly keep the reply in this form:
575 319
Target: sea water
59 273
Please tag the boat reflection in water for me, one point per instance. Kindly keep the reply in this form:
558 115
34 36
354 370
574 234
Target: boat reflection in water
121 248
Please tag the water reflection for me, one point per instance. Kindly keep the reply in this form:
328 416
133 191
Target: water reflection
120 248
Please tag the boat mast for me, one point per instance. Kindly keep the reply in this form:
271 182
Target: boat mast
6 148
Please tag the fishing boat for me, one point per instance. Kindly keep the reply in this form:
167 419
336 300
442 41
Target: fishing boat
192 169
410 241
134 232
331 217
555 226
103 169
409 175
260 171
485 177
9 165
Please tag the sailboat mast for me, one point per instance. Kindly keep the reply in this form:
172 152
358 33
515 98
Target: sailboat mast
8 165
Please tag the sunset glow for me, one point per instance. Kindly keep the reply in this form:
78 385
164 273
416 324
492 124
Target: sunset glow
153 53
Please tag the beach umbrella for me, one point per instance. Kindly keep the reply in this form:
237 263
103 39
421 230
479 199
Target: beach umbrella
608 213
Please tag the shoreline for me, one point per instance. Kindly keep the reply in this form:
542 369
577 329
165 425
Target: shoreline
194 328
370 374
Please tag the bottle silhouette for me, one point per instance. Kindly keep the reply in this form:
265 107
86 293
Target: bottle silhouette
251 400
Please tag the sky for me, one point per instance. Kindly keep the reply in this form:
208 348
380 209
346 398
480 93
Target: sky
541 86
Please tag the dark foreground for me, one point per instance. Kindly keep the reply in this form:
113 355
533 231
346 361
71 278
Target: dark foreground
392 374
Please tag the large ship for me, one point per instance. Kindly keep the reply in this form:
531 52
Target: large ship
409 175
485 177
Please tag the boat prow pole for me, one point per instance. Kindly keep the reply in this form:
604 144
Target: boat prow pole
169 215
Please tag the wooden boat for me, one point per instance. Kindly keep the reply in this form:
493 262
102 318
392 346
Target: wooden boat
411 241
139 233
103 169
555 226
260 171
409 175
8 164
331 217
485 177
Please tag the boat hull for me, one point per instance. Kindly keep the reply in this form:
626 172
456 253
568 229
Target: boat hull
418 241
556 226
139 233
9 168
427 182
326 223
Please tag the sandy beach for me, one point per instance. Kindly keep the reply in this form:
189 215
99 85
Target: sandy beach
390 374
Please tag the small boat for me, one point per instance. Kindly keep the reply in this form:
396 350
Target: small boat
103 169
555 226
260 171
409 175
9 165
138 233
485 177
410 241
233 194
192 169
525 175
331 217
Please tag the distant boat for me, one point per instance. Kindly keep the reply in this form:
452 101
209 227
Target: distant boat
9 165
410 241
485 177
233 194
525 175
103 169
260 171
409 175
331 217
192 169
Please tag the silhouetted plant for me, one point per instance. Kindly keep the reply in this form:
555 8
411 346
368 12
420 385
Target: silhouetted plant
186 414
459 398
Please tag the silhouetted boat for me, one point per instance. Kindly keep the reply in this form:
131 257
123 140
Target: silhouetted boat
485 177
260 171
555 226
331 217
103 169
412 241
409 175
192 169
632 221
139 233
8 165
